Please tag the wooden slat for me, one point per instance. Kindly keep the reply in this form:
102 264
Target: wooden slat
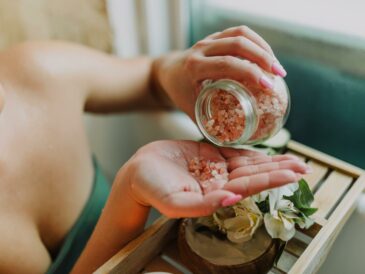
160 265
319 222
295 247
303 237
326 159
330 192
317 250
178 265
319 171
275 270
135 255
300 156
286 261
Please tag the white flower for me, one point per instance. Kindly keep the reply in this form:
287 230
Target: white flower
260 197
276 194
280 220
279 225
240 221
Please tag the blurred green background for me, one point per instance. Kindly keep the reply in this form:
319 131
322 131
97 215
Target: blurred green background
325 77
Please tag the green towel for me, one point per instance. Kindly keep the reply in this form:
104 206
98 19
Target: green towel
328 108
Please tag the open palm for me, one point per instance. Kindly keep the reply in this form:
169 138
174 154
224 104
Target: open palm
160 176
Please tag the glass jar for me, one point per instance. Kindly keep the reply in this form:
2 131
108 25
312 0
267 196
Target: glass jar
230 114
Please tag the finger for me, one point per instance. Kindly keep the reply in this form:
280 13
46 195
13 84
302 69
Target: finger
245 32
213 35
250 185
244 48
240 161
233 152
220 67
294 165
192 204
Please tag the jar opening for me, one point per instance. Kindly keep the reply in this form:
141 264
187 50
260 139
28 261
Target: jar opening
226 114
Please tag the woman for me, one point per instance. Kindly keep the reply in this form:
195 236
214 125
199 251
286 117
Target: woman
52 192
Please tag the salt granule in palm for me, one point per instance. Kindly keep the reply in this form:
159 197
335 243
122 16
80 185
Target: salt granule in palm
210 175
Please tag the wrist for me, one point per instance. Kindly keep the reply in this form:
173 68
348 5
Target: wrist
156 82
123 207
128 185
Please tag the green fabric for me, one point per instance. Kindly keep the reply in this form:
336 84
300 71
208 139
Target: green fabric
80 233
328 109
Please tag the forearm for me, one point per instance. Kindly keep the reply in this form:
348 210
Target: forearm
100 82
122 220
130 84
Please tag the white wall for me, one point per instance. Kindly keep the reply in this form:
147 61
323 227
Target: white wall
347 254
140 27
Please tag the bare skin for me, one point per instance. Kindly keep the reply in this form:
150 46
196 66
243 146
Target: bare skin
45 162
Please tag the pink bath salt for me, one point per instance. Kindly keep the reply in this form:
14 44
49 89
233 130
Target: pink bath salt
271 108
210 175
227 121
227 117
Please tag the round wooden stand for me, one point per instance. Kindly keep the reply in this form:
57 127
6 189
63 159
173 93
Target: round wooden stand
200 265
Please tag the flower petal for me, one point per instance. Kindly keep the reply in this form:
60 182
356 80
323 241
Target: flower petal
276 228
260 197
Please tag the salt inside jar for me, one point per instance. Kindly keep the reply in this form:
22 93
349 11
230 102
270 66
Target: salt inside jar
229 113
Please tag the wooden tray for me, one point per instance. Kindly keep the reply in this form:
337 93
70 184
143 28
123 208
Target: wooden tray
336 187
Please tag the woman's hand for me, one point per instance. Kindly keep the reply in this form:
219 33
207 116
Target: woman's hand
158 176
237 53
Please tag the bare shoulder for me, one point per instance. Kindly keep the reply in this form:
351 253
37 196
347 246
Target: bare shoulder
22 250
27 64
48 66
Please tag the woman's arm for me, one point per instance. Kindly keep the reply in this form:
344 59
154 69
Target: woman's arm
100 82
122 220
106 83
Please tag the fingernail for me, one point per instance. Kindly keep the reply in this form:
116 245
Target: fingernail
266 82
231 200
278 69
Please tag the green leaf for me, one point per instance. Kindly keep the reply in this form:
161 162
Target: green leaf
303 197
264 206
306 192
308 211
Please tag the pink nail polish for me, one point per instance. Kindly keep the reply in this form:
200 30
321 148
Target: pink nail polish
231 200
278 69
266 82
